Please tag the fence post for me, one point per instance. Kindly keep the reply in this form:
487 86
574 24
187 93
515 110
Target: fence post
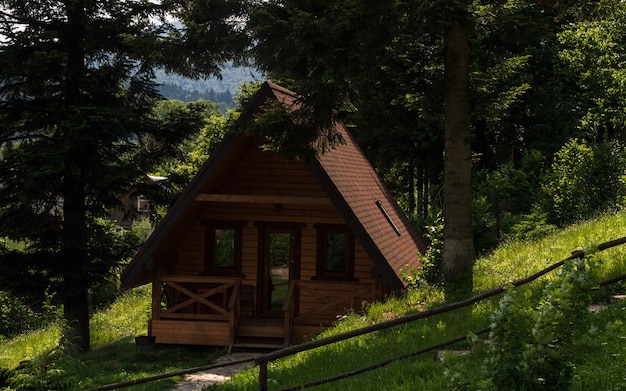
263 376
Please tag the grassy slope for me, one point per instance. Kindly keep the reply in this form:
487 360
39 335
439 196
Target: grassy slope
114 356
510 262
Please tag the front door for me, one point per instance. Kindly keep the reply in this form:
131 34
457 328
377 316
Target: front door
280 263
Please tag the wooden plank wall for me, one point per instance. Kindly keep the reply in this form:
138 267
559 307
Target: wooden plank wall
191 332
266 173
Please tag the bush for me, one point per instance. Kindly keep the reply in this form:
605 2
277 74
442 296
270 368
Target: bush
531 226
15 317
534 348
584 180
502 197
432 234
54 370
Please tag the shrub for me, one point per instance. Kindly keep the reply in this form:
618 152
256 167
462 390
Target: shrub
502 196
15 317
584 180
533 348
531 226
53 370
429 272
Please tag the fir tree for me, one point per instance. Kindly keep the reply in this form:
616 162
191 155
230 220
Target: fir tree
77 126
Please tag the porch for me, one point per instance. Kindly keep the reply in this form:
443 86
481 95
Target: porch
222 311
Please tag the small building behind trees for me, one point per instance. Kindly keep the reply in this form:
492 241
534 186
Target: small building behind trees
263 251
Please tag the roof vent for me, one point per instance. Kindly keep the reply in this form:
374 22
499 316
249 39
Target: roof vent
382 209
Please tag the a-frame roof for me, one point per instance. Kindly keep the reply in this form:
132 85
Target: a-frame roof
344 172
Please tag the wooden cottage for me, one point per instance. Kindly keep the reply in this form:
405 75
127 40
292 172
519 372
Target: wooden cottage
260 250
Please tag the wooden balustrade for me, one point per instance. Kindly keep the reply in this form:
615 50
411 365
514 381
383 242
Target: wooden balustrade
199 297
208 310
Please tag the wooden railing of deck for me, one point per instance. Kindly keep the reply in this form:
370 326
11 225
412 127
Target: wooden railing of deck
201 298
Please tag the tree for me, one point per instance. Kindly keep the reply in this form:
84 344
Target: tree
450 83
592 55
318 48
458 246
181 168
78 127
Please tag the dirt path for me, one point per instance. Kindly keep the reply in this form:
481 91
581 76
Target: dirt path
196 381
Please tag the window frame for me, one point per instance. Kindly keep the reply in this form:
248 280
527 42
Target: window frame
322 255
210 226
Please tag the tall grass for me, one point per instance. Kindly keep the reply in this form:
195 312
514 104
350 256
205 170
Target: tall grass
515 260
128 316
435 371
28 345
114 357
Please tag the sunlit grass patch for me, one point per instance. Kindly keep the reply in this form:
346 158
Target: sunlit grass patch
127 316
28 345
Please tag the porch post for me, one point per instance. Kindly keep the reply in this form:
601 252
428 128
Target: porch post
157 292
263 376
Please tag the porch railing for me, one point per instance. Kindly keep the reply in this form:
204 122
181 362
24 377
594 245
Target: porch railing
196 298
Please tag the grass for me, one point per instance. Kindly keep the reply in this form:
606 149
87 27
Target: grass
29 345
114 356
599 368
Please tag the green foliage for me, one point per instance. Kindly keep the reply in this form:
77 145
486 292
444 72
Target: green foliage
428 273
535 348
181 167
531 226
15 317
53 370
593 54
127 316
507 195
584 180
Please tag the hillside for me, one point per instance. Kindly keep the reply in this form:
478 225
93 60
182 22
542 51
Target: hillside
545 349
214 89
596 352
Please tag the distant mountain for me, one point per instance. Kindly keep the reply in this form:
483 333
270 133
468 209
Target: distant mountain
213 89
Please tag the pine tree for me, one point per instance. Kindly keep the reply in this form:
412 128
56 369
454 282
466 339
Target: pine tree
77 126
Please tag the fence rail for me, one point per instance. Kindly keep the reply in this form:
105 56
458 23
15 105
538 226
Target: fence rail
405 356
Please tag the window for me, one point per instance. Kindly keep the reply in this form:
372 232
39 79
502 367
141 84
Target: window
223 248
335 252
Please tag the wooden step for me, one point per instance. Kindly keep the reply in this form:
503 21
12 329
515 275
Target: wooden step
260 335
250 345
262 342
260 331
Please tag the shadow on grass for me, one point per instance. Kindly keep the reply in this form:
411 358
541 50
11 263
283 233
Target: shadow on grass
123 360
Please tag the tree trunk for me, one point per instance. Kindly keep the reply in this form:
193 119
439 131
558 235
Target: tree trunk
74 254
458 248
75 261
76 314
